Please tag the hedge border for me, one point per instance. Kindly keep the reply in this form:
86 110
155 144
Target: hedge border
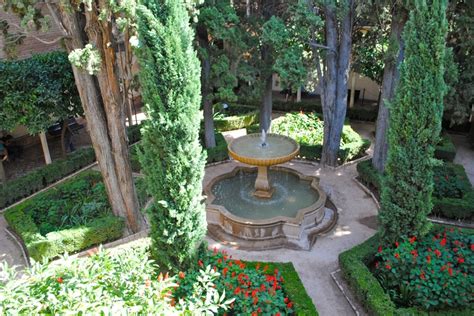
445 150
74 239
366 287
234 122
450 208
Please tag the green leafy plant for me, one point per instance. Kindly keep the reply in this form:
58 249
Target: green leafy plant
118 282
434 272
255 289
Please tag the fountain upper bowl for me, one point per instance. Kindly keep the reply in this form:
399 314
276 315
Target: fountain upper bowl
278 149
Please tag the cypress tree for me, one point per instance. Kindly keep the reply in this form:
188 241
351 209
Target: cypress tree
415 124
171 156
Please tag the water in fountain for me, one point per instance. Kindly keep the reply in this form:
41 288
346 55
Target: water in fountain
291 194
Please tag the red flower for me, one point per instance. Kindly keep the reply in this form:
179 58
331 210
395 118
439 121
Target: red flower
443 242
380 249
219 260
455 249
412 239
461 260
450 271
255 300
254 314
259 310
60 280
276 271
224 271
388 267
428 259
258 266
396 244
181 274
289 305
200 263
277 314
437 252
422 276
237 290
443 268
254 293
397 255
286 300
472 247
414 253
233 274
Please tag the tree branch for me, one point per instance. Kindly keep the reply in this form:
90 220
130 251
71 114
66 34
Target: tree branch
23 32
316 45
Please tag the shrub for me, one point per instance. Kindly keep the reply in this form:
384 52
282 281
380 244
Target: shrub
307 130
172 158
433 273
235 116
122 281
257 288
69 217
445 149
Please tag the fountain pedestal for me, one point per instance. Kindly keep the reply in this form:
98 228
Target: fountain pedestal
262 185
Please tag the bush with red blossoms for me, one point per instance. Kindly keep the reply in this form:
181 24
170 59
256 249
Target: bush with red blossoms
256 289
435 272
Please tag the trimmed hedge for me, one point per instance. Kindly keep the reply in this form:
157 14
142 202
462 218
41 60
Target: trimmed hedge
303 304
453 208
248 117
445 150
105 228
38 179
354 266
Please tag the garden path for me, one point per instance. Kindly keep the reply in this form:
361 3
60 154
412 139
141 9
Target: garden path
356 223
464 154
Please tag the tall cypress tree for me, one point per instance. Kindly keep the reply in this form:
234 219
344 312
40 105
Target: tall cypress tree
171 158
415 124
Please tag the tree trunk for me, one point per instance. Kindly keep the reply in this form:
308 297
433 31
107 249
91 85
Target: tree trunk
209 137
63 134
391 75
107 133
268 8
336 77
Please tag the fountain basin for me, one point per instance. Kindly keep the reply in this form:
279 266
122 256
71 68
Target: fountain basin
278 226
278 149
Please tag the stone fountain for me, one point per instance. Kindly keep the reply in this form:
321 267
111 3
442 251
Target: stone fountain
270 207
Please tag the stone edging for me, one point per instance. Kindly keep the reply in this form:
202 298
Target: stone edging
431 219
341 288
49 187
21 245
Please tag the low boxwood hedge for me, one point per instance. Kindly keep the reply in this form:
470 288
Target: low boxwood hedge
450 207
236 116
365 286
219 152
104 228
38 179
445 150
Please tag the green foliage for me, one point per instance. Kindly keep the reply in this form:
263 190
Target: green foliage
307 130
69 217
87 59
445 149
236 116
453 195
172 158
37 92
38 179
355 264
415 124
433 273
262 288
121 281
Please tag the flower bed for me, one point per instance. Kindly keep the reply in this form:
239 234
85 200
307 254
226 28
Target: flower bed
257 288
307 130
234 116
124 281
417 273
453 195
69 217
